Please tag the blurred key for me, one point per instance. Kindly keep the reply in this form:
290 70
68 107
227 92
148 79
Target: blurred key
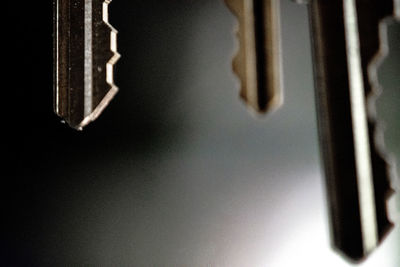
258 63
349 42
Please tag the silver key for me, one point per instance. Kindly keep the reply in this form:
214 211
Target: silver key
85 52
349 42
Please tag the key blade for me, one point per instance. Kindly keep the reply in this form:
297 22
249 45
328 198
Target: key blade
85 52
348 44
258 63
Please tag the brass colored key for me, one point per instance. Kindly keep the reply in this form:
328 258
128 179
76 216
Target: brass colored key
258 62
85 51
348 44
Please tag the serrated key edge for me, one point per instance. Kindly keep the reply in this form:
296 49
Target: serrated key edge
109 72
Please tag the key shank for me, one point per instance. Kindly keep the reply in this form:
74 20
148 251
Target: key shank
258 63
84 58
347 46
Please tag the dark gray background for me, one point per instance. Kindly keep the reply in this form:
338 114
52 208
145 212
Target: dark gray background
176 172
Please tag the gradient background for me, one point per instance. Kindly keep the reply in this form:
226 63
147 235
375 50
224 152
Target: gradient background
176 172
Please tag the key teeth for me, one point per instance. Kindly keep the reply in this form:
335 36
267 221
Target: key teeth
239 58
239 61
114 32
377 128
257 62
113 47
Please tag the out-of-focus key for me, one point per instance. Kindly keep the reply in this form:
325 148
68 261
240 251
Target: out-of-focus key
85 52
349 42
258 61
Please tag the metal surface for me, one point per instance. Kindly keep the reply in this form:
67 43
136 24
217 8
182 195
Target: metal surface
258 63
349 42
85 51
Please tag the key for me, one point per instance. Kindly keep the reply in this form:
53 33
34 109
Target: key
258 62
348 44
85 52
349 41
